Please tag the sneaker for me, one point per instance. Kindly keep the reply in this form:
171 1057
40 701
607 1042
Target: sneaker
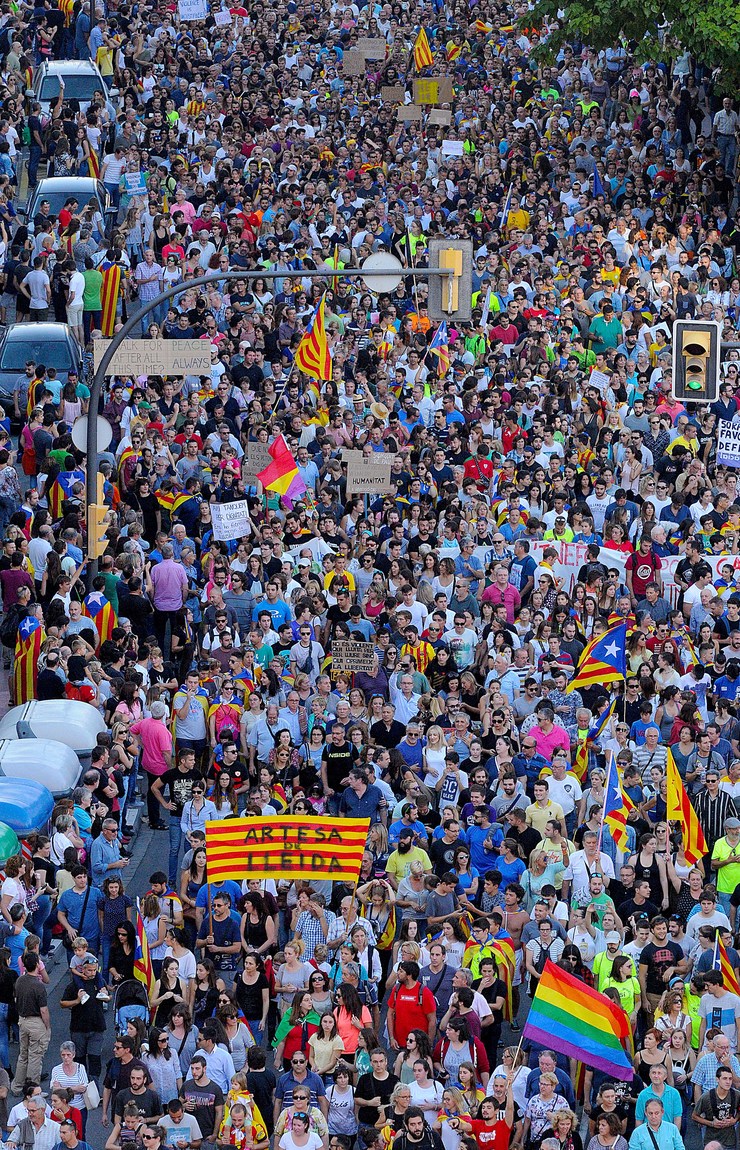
103 995
515 1026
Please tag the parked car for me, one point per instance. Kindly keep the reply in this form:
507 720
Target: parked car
58 189
82 80
52 344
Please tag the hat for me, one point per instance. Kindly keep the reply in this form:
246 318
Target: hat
303 563
379 410
145 405
612 936
732 824
634 92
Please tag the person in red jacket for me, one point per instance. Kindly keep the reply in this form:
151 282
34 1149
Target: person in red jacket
411 1006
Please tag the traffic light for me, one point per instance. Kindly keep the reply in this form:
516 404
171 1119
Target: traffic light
696 360
451 298
97 525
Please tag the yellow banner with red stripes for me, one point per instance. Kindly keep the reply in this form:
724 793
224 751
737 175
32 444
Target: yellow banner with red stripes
290 846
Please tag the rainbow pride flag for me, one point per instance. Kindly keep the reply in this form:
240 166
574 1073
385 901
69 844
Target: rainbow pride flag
575 1020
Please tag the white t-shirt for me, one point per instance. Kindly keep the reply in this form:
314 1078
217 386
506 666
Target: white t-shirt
287 1142
76 289
185 963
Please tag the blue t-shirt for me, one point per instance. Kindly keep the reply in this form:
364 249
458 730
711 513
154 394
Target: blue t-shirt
231 888
72 903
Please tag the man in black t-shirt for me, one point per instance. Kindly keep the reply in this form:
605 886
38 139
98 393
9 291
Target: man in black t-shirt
203 1098
178 782
659 961
147 1100
379 1083
338 757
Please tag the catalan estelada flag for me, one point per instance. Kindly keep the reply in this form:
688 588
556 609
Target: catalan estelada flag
617 804
440 346
61 489
570 1017
282 475
165 499
93 165
109 292
290 846
142 960
313 356
422 52
603 660
680 810
96 607
721 962
31 635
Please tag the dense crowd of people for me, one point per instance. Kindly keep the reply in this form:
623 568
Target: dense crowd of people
545 486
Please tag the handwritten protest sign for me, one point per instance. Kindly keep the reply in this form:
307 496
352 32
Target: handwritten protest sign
192 9
392 93
372 47
256 458
230 520
156 357
409 112
371 476
353 64
728 444
346 655
288 846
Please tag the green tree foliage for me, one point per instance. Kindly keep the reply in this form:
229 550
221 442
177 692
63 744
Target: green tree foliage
709 29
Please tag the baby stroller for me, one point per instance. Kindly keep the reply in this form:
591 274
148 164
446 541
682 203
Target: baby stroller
130 1002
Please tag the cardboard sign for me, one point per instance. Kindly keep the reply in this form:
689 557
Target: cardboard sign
426 91
370 476
230 520
728 444
409 113
372 47
192 9
346 655
446 89
440 117
156 357
256 458
393 93
353 64
296 846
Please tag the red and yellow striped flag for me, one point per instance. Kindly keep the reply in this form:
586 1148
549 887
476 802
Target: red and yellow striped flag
97 608
31 635
93 165
109 298
680 810
422 52
143 970
285 847
313 355
721 962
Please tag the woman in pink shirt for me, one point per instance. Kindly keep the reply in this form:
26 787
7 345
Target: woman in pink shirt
156 754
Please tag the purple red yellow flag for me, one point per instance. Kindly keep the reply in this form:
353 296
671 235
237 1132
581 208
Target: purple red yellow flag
282 475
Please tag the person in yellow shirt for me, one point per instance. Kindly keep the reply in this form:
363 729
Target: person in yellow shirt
518 216
725 862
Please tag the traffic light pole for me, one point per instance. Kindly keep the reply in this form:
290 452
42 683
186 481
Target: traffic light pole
98 380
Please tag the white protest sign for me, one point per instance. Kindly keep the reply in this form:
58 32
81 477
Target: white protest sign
230 520
452 148
728 444
135 183
222 19
599 379
192 9
156 357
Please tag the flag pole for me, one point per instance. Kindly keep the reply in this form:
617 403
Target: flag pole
609 768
